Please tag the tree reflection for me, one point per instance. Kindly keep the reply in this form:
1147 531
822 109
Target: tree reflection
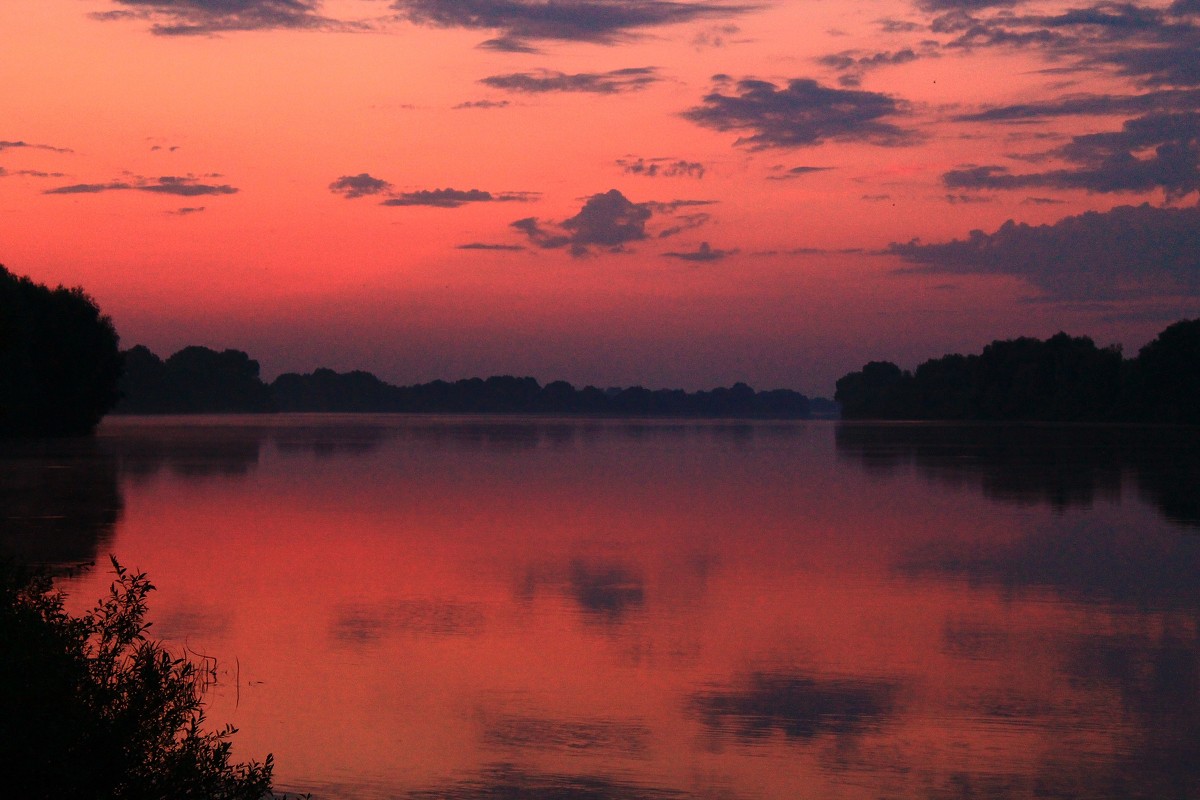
61 501
1062 466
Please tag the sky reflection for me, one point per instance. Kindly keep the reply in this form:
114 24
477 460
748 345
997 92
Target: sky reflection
491 608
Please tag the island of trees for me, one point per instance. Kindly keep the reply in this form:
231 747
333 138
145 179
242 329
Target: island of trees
1062 378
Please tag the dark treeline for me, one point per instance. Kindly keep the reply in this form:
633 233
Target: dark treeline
200 380
1063 378
58 360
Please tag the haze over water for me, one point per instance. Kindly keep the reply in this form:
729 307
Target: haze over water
497 607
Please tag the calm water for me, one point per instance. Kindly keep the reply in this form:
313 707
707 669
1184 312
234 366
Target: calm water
500 608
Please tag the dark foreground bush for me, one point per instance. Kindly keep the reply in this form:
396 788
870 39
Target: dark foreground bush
92 708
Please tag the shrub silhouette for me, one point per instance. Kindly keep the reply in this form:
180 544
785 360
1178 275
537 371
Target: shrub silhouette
90 707
59 362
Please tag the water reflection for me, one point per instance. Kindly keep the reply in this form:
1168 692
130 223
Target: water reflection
361 623
508 782
512 731
1078 557
59 502
1057 465
800 707
494 608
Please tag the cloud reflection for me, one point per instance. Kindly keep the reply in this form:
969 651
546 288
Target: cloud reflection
797 705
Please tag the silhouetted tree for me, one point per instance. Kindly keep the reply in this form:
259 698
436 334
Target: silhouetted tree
195 380
59 362
880 391
208 381
1166 376
144 386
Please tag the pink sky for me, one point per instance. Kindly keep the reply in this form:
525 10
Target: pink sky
194 164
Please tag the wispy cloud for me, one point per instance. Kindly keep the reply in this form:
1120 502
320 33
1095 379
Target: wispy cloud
28 173
208 17
511 248
796 172
364 184
630 79
453 198
20 145
662 167
180 186
484 104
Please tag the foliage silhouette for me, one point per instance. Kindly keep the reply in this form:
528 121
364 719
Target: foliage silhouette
196 380
90 707
1061 379
59 362
325 390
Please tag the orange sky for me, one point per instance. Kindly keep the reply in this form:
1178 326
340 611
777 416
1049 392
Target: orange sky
191 182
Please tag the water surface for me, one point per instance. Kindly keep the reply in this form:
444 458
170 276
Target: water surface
513 607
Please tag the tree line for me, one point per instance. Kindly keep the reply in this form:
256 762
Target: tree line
1063 378
201 380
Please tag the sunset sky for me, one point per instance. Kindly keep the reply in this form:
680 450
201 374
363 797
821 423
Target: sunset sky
616 192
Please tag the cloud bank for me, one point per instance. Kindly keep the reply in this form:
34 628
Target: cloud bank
1130 252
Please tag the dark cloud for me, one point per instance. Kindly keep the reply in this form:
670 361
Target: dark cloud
630 79
1089 104
802 114
1153 45
854 63
661 167
352 186
1156 151
484 246
1131 252
518 22
206 17
180 186
187 211
483 104
6 145
797 172
1042 201
453 198
607 221
704 253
